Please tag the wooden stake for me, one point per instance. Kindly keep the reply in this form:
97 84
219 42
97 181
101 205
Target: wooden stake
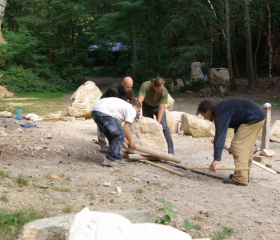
264 167
164 168
266 128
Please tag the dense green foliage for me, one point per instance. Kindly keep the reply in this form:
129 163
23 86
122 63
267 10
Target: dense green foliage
52 44
11 223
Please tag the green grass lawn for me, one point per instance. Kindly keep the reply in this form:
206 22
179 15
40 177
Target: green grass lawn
39 103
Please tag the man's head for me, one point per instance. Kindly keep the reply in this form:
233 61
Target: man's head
158 84
127 84
136 104
204 108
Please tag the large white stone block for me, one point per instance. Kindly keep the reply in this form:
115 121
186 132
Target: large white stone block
170 104
148 132
275 132
83 99
173 121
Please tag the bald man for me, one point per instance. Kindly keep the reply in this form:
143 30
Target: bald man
123 91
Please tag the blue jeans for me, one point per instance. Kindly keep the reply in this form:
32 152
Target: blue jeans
113 131
149 111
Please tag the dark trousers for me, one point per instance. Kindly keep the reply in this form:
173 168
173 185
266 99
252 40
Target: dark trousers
149 111
113 131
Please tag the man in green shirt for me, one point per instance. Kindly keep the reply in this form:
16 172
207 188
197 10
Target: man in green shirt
153 96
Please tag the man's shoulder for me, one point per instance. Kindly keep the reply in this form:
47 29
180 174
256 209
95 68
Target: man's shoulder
146 84
112 91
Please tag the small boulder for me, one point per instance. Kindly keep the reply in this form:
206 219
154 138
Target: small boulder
5 93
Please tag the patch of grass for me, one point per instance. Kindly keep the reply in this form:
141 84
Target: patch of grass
38 103
21 181
67 209
12 222
4 199
140 191
222 233
91 196
67 190
188 226
4 175
197 218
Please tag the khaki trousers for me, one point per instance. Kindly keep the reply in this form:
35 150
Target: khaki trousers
242 149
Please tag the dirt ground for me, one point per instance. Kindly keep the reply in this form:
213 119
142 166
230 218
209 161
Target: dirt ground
64 172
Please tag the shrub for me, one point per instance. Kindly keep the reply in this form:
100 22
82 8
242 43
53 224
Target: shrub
19 80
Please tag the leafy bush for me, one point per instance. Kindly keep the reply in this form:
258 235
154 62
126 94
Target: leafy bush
194 85
21 48
168 214
20 80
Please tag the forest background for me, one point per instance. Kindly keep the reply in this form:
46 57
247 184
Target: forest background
51 45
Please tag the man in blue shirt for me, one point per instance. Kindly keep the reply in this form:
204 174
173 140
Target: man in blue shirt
247 119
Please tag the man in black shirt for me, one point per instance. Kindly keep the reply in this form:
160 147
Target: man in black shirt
123 91
247 119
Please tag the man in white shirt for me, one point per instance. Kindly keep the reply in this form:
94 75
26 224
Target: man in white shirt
109 113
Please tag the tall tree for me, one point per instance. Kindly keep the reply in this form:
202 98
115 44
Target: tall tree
249 55
231 77
270 50
2 9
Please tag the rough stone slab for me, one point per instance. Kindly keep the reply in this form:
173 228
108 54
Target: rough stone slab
265 159
57 228
83 99
268 152
147 132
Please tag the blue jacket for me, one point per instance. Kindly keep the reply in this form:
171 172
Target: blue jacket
231 114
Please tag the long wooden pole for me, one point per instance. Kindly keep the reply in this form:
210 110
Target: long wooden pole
264 167
164 168
162 156
137 157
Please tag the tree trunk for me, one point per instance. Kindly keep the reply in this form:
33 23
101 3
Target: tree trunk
249 55
2 8
256 53
269 43
235 64
134 46
231 77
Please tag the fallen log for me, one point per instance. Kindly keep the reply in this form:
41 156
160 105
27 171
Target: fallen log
161 156
137 157
164 168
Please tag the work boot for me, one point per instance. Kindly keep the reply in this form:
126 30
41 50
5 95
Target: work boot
231 175
109 163
231 181
122 162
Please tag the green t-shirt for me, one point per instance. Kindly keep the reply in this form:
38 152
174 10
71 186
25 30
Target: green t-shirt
152 98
